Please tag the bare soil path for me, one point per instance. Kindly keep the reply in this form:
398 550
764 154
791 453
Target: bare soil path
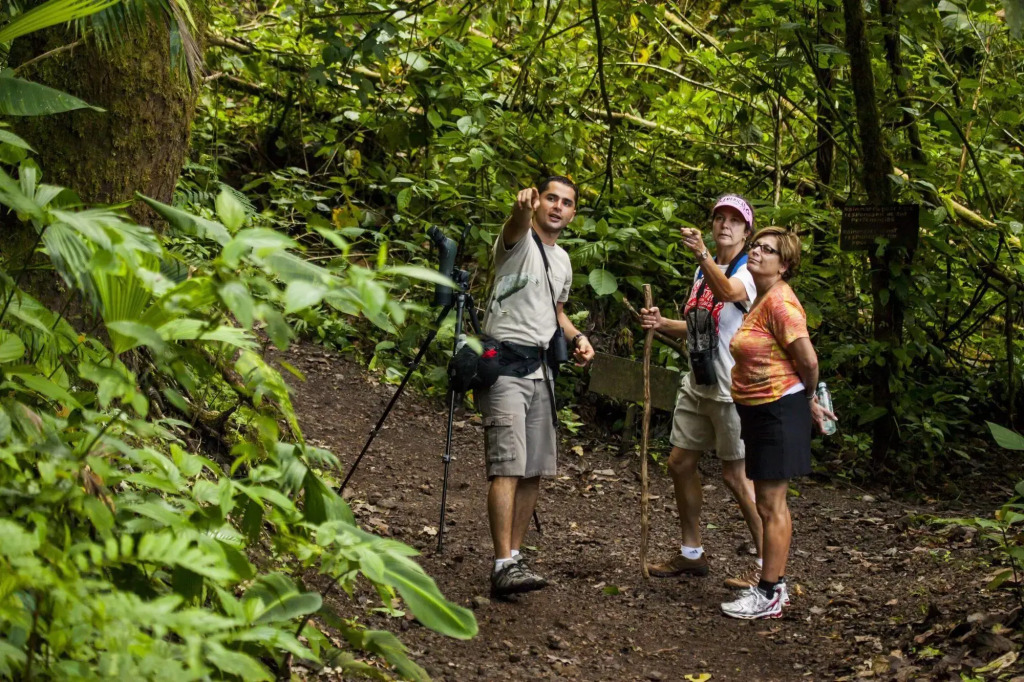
875 592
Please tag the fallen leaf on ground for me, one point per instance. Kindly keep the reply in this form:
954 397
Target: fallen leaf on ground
1004 661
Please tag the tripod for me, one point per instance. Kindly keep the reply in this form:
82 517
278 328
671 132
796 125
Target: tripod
460 300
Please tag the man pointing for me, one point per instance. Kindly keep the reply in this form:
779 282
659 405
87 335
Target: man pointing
531 284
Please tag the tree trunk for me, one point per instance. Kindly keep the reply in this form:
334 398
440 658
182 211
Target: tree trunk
876 169
139 143
893 57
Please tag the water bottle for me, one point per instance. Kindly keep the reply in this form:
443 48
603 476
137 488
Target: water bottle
825 401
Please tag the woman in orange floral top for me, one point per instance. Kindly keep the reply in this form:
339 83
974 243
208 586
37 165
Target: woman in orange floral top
773 385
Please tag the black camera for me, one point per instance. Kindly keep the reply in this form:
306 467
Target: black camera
702 364
446 251
558 349
702 345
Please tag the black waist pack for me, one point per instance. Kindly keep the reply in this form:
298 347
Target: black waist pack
469 371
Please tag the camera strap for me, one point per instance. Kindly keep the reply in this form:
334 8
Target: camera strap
547 271
733 264
548 381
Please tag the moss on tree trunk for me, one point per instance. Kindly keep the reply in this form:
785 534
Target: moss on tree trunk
139 143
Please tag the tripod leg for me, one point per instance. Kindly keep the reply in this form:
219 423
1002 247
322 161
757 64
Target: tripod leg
460 304
401 387
536 522
447 458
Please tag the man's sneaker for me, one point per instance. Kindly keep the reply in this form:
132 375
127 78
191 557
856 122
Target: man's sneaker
678 565
752 604
512 579
749 578
538 580
785 592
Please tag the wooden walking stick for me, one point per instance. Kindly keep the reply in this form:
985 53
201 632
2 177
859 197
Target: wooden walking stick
645 503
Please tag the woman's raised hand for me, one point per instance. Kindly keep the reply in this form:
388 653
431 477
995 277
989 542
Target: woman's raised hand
693 240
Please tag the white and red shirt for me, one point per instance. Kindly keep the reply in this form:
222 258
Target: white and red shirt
727 318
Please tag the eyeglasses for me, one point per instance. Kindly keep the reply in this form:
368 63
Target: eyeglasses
764 247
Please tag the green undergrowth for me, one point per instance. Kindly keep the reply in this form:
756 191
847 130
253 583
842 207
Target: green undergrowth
160 510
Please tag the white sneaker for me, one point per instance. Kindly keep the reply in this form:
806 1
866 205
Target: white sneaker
752 604
785 593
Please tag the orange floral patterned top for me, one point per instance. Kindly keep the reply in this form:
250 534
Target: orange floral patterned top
764 371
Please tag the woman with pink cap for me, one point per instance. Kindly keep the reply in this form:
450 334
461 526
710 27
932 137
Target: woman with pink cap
705 417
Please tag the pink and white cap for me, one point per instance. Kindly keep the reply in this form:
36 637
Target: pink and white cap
740 205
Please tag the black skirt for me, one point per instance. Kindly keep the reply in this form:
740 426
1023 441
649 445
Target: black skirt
777 438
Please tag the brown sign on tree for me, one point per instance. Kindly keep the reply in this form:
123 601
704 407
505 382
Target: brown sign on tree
862 225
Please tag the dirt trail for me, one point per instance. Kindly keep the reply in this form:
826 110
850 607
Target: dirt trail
866 578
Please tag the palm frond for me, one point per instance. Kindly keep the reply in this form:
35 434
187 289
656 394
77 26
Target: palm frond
183 41
122 297
70 256
110 26
50 14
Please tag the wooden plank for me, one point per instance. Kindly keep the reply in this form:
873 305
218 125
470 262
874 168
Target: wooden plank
623 379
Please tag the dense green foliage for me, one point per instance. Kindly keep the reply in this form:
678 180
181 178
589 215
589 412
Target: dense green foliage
124 552
160 513
383 119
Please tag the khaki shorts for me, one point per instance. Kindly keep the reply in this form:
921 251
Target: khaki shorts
705 424
519 438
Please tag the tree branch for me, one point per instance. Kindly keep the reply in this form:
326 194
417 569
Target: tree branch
609 180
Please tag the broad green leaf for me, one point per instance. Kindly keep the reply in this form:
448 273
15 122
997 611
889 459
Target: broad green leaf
134 334
12 194
236 297
387 646
425 601
300 295
192 330
234 663
421 273
1011 440
187 223
467 126
291 606
7 137
230 211
99 515
415 60
11 347
603 282
19 97
48 389
15 541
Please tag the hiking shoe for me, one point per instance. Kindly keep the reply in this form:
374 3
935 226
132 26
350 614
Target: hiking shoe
512 579
678 565
752 604
748 578
539 581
